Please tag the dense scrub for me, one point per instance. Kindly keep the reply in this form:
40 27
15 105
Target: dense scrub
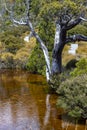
36 62
73 91
73 96
14 51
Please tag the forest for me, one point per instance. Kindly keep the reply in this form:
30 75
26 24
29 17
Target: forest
38 36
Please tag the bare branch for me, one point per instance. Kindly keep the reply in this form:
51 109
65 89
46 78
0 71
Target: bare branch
6 8
77 37
73 23
21 22
83 19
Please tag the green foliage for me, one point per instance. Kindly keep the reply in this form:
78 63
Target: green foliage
73 91
19 7
51 11
81 68
46 12
46 32
57 79
11 43
6 60
36 62
79 29
73 96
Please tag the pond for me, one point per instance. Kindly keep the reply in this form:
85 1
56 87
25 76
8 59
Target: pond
26 105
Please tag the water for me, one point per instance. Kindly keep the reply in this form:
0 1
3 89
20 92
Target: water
26 105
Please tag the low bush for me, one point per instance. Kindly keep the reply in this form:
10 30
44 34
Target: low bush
57 79
6 60
81 68
36 63
79 29
73 96
11 43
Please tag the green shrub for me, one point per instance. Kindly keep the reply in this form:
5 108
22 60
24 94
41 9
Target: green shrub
11 43
6 60
79 29
81 68
57 79
73 96
36 63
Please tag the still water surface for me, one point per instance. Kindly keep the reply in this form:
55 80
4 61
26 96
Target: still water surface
26 105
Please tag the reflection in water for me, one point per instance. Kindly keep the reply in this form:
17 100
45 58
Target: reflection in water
24 104
47 115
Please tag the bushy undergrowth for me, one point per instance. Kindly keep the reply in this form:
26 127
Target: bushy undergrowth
14 52
57 79
73 91
36 63
81 68
79 29
73 96
10 42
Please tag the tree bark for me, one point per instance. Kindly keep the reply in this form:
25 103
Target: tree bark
59 43
61 39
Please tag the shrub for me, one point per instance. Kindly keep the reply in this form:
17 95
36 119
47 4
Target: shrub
73 96
36 63
11 43
79 29
81 68
21 58
6 60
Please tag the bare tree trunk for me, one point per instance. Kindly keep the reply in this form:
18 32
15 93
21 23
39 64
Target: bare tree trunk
57 51
44 49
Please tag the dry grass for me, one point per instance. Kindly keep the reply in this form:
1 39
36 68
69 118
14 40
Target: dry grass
5 55
80 53
22 54
82 50
31 44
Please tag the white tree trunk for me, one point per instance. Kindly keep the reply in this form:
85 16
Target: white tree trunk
44 49
56 61
57 36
